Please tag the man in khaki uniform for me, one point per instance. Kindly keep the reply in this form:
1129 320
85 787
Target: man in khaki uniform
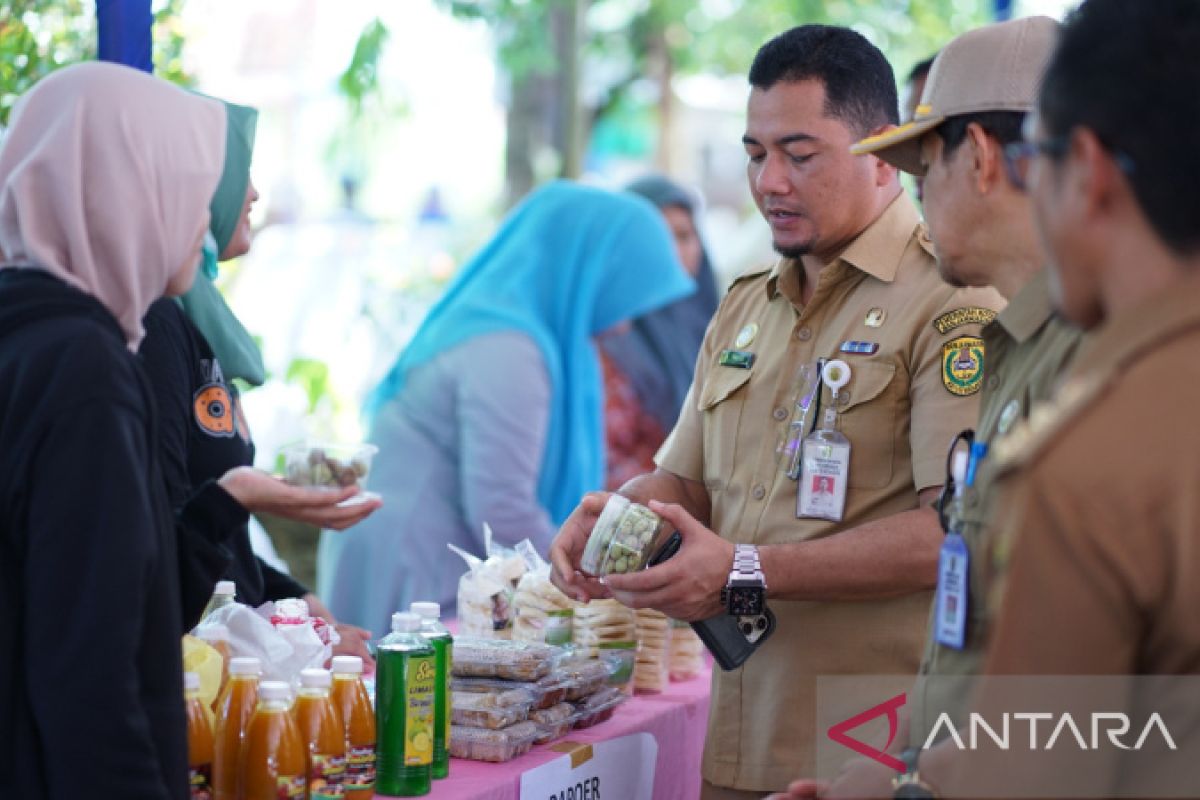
980 89
857 283
1098 553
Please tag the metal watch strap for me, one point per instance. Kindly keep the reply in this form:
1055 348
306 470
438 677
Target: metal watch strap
746 564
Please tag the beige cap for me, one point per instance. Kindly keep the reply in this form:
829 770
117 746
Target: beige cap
994 68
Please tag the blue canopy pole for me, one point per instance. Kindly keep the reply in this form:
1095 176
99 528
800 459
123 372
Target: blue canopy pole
124 32
1004 10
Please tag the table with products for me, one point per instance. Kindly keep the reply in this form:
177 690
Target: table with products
675 718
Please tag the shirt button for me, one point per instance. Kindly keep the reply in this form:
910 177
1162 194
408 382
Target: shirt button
759 492
804 334
993 382
779 414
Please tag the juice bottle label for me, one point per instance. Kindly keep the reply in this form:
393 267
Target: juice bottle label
360 768
200 782
289 787
326 776
419 689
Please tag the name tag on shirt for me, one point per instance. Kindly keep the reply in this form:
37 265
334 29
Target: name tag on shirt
738 359
954 564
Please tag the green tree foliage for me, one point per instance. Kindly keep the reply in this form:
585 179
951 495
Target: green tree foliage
39 36
632 42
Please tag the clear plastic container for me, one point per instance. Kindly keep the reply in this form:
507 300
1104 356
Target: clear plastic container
625 537
585 678
476 710
481 744
554 722
499 658
543 693
599 707
326 465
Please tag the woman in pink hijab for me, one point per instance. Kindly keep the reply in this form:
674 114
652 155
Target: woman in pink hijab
106 174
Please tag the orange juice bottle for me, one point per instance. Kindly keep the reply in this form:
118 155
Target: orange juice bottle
217 637
272 762
200 739
324 739
234 708
358 723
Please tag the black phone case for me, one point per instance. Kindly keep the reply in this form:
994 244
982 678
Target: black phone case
720 634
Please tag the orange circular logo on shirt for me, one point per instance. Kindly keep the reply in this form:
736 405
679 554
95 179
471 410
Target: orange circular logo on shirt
213 409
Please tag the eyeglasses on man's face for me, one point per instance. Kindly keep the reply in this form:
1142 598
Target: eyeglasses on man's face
1018 156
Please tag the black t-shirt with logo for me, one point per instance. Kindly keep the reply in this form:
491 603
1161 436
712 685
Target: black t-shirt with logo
203 434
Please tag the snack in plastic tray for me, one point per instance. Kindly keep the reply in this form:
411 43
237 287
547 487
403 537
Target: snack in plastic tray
625 536
499 693
329 465
599 707
481 744
554 722
686 656
585 678
499 658
477 710
545 692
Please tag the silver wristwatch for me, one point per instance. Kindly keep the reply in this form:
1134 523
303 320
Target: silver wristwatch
745 593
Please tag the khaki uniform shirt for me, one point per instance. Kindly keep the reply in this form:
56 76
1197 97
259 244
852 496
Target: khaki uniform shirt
900 409
1099 555
1100 550
1028 350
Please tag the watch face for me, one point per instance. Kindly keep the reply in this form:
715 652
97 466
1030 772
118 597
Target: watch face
746 602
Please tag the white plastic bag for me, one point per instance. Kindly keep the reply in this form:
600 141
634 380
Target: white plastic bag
284 650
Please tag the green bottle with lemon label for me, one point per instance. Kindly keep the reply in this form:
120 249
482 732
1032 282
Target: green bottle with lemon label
405 689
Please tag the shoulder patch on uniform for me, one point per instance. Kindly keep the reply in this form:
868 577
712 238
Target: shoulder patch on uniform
967 315
962 365
1045 420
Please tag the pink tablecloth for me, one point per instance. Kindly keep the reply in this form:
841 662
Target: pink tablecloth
676 718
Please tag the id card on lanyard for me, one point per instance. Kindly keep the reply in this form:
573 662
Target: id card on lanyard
954 574
825 458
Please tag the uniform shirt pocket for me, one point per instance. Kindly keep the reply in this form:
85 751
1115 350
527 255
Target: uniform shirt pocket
722 403
868 419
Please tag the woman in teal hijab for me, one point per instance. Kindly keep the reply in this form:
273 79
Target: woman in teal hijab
193 350
494 411
228 237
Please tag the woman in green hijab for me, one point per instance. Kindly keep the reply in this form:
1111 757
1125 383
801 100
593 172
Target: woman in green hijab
193 350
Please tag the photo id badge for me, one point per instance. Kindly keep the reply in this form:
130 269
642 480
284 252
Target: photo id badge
951 600
824 471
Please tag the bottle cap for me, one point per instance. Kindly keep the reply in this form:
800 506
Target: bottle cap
213 633
245 665
191 682
226 587
347 665
315 678
426 610
405 622
276 691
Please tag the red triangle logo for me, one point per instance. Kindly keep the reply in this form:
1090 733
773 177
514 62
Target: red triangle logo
889 707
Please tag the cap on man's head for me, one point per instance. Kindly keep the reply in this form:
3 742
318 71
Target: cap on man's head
994 68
